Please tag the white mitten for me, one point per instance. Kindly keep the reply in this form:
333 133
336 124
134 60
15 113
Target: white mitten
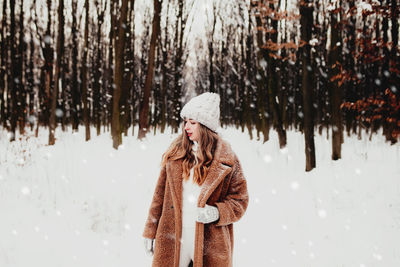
149 246
207 214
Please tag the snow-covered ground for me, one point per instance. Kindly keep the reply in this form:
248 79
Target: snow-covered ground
84 204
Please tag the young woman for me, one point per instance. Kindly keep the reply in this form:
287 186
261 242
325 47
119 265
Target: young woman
200 193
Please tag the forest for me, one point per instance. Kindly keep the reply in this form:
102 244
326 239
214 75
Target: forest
281 65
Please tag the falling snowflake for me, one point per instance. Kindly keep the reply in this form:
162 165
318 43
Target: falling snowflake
263 63
47 39
377 256
59 113
322 213
294 185
25 190
313 42
32 119
267 158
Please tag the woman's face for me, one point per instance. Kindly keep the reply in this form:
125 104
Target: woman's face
192 129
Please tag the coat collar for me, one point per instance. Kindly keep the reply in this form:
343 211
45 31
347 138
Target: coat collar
219 168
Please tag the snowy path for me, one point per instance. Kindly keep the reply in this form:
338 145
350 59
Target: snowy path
84 204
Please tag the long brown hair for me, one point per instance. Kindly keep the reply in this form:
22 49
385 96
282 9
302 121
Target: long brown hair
181 148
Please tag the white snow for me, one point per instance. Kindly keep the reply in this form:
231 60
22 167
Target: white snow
84 204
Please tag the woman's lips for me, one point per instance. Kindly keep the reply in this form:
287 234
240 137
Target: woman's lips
189 134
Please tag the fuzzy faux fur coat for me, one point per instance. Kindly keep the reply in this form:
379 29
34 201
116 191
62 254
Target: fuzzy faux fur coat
224 187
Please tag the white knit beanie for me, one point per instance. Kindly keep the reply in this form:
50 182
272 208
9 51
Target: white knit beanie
203 108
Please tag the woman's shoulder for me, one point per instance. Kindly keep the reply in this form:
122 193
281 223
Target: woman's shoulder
224 152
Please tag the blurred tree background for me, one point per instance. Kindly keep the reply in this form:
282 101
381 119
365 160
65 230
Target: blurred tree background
309 65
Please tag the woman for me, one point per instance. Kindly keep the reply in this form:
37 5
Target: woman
200 193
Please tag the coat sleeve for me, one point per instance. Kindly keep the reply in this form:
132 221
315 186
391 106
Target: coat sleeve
156 206
232 208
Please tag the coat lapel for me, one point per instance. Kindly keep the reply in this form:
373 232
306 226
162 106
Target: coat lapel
220 167
216 174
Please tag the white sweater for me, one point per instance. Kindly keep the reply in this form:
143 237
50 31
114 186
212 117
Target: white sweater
190 195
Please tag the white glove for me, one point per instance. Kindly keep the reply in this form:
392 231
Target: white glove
149 246
207 214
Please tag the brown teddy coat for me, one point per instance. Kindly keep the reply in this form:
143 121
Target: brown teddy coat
224 187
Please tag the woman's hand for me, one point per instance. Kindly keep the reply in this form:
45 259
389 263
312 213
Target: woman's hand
149 246
208 214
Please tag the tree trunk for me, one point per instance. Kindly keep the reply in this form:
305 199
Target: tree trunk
84 74
306 13
31 81
75 92
118 76
21 99
59 55
4 65
144 110
261 79
13 83
97 83
335 90
111 67
272 82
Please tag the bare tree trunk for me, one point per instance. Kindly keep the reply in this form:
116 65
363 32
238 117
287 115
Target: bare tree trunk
75 92
335 89
47 69
97 98
118 76
13 85
84 74
144 110
395 14
272 82
164 73
111 67
30 78
306 12
4 65
54 97
21 93
262 80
